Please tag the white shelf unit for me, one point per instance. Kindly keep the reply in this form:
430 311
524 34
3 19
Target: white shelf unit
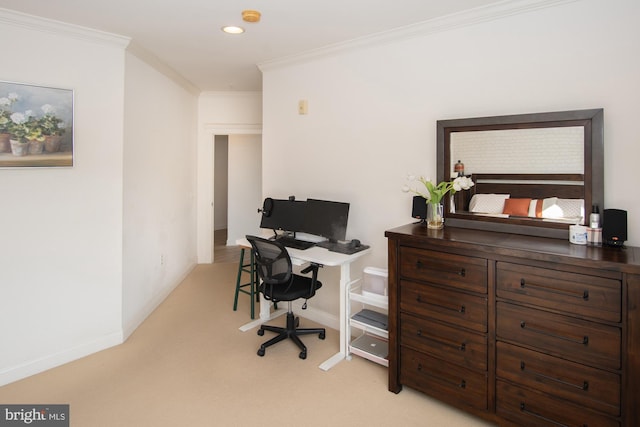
369 333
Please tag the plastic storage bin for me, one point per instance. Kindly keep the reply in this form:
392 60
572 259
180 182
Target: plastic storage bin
374 282
371 292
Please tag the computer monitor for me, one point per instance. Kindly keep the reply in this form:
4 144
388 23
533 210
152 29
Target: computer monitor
286 215
327 219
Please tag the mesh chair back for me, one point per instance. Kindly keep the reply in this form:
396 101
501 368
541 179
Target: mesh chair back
273 261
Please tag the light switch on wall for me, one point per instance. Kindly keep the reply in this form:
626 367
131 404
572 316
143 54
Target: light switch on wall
302 106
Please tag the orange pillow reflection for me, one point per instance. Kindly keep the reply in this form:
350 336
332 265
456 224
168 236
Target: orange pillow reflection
516 207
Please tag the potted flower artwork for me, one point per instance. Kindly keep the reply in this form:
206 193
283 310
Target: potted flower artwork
5 137
5 120
18 130
26 134
52 128
36 126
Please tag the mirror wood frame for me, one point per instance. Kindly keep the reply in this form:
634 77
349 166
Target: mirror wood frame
593 123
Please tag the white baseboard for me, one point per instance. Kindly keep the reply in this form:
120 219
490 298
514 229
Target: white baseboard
33 367
316 315
142 315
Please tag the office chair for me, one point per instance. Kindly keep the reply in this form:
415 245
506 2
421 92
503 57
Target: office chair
279 283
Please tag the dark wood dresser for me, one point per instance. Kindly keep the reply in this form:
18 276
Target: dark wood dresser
518 330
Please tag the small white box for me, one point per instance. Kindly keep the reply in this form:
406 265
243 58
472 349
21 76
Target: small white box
374 282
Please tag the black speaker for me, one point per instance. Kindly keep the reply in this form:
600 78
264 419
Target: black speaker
614 227
267 206
419 210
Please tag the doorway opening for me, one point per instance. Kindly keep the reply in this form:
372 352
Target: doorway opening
237 191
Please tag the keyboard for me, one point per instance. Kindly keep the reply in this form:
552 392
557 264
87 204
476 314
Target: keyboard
292 242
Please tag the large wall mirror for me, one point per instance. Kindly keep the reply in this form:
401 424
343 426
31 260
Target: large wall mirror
550 166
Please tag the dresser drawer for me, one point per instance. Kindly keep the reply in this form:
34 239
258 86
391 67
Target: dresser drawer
449 306
455 345
581 294
563 336
445 381
528 408
457 271
582 385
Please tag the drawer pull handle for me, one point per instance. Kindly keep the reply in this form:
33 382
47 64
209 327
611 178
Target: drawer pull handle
461 347
584 386
584 341
461 309
461 384
524 409
461 272
584 295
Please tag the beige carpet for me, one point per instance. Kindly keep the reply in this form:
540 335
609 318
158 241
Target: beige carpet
189 365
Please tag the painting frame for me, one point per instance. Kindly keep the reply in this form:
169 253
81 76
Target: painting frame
36 126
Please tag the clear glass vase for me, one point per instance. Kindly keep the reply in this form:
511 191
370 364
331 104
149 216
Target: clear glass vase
435 215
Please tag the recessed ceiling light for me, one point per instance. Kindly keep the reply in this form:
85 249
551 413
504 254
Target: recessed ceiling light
231 29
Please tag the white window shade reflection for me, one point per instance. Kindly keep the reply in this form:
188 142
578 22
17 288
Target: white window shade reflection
530 151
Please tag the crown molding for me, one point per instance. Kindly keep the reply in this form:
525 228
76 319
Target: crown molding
50 26
156 63
498 10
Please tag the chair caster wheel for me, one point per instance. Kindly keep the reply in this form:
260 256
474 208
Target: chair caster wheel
303 355
261 333
261 352
297 322
321 335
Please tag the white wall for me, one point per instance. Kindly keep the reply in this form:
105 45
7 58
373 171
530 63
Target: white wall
220 113
61 241
220 181
89 251
160 134
373 109
245 186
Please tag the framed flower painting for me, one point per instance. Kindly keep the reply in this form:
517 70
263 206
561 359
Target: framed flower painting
36 126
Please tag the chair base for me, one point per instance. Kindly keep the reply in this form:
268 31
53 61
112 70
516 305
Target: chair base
290 331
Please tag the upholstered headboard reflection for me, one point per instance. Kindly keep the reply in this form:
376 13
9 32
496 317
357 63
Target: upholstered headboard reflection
546 197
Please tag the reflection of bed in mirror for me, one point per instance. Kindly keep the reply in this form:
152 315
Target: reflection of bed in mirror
525 198
551 157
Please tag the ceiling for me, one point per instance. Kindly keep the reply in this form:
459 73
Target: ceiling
186 34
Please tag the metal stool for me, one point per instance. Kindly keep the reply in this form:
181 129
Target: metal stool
253 281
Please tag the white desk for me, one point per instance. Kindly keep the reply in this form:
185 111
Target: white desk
325 258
